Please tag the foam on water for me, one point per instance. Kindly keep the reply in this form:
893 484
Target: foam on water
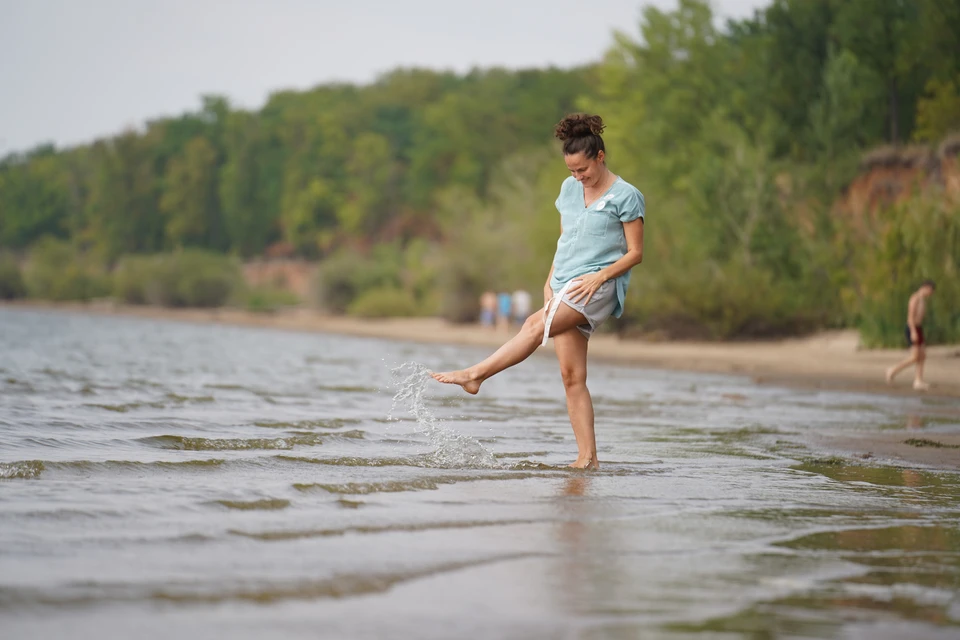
452 449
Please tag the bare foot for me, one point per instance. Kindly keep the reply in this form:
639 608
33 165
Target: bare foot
920 385
890 375
466 380
586 463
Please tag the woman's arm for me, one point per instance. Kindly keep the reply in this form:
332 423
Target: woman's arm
633 231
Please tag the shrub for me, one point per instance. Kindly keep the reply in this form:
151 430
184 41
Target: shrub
266 300
131 277
918 239
342 278
384 302
57 271
11 280
190 278
719 302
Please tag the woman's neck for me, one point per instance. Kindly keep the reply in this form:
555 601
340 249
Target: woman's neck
604 182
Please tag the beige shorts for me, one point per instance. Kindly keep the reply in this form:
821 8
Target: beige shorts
598 309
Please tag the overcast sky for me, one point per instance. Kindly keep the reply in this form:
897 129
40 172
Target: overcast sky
74 70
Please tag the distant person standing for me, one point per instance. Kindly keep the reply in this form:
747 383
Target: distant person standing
503 310
521 306
488 309
916 310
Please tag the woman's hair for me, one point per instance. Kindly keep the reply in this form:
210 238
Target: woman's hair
580 132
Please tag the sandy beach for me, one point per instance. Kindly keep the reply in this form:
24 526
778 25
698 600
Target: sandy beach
828 361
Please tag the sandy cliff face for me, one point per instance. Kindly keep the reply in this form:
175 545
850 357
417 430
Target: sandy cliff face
284 273
891 175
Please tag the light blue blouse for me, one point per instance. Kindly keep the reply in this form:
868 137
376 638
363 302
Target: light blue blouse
592 237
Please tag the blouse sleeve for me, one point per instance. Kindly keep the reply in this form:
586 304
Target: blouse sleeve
633 207
563 187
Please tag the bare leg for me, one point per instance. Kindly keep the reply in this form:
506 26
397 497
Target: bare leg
516 350
911 359
918 382
571 349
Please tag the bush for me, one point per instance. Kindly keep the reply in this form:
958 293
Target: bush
462 281
719 302
344 277
131 277
918 239
190 278
57 271
336 283
11 280
266 300
384 302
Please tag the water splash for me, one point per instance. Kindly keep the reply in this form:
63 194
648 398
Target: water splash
453 450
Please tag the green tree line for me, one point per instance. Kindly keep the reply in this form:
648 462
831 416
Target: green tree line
420 190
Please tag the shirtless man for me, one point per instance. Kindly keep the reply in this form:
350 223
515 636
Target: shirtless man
914 331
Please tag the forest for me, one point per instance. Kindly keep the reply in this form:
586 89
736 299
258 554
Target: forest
415 193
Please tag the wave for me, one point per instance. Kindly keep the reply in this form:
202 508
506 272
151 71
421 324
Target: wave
347 389
33 468
354 461
124 408
273 536
170 399
265 592
520 454
265 504
23 469
177 398
396 486
329 423
183 443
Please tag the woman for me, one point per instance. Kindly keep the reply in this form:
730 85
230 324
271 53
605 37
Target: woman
601 239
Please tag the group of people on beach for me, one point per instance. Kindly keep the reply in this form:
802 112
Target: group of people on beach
600 241
504 310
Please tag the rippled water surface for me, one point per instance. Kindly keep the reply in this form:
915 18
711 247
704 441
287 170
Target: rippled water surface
162 479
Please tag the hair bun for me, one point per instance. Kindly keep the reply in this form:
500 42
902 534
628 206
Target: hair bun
579 125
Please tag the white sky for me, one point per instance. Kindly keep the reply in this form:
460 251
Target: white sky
74 70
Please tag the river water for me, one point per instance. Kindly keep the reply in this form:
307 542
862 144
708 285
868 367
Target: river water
162 479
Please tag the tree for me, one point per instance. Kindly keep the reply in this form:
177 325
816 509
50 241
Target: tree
122 210
796 36
249 219
878 33
190 202
34 198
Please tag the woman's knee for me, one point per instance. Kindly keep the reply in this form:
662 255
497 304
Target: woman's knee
533 326
573 377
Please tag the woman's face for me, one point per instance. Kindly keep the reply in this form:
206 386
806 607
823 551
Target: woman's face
588 171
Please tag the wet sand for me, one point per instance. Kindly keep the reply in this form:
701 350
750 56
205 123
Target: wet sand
938 450
829 361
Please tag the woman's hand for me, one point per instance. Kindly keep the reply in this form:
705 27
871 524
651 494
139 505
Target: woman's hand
547 295
585 286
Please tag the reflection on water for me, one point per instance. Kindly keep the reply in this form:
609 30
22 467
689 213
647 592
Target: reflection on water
911 573
162 479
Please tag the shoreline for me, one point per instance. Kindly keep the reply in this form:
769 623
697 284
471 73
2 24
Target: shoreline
826 361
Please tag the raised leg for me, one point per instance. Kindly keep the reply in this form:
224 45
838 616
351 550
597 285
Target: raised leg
516 350
571 349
